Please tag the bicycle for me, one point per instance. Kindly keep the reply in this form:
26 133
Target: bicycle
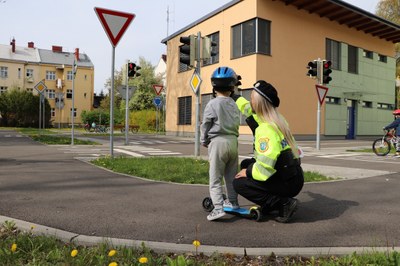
383 145
102 129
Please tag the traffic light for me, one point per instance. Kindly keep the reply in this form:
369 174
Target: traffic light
208 48
188 50
132 70
326 71
312 69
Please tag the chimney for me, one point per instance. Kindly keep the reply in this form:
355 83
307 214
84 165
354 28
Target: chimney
77 54
31 45
12 43
57 49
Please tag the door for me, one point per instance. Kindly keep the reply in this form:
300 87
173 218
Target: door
351 119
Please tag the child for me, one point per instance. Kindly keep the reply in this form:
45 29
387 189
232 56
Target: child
219 132
396 125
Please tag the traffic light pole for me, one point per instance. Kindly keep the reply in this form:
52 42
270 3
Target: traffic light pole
319 81
127 104
197 130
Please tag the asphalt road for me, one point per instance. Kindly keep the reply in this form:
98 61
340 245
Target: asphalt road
45 185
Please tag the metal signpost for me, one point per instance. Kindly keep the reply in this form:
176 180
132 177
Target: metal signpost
195 83
115 24
157 101
41 87
74 68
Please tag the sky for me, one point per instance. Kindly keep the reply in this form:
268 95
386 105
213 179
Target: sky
74 24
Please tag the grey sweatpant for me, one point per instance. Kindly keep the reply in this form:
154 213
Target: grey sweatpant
223 159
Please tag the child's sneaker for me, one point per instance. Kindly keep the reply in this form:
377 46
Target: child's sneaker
230 205
216 214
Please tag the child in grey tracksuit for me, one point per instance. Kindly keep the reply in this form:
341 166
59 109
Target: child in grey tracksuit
219 132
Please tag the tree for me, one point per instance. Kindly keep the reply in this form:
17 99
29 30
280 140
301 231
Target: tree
390 10
142 98
21 109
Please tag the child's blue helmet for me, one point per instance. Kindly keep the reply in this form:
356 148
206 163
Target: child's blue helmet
224 79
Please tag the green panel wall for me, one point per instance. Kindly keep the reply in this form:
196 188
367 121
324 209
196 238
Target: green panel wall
374 83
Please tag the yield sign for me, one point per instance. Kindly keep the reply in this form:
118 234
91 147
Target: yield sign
158 88
321 91
114 23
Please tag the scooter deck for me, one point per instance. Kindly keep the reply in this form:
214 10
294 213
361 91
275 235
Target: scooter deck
241 211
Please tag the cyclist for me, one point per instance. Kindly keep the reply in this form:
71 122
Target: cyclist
395 125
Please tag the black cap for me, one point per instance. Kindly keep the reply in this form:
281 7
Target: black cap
267 91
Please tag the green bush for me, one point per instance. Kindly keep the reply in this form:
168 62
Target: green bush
145 119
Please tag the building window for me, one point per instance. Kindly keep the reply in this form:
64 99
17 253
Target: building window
333 53
252 36
352 59
29 73
382 58
69 94
332 100
29 90
185 110
69 75
70 111
51 94
205 98
19 73
367 104
53 112
214 50
3 72
50 75
368 54
3 89
386 106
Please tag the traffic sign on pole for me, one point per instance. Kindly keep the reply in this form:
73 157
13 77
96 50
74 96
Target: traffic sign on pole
321 91
195 82
157 101
158 88
40 87
114 23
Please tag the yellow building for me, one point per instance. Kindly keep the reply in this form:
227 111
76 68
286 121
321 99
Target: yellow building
274 40
23 67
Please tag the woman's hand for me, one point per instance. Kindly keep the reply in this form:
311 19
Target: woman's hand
241 174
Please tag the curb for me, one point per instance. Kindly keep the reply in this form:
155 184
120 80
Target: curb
160 247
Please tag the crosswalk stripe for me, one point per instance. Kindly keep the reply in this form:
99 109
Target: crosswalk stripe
134 154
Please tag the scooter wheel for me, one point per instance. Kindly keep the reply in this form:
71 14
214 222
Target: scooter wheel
255 214
207 204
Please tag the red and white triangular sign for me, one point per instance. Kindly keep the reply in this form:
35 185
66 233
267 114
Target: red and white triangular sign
114 23
321 91
158 88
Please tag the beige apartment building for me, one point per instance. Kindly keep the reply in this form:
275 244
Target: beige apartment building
22 67
274 40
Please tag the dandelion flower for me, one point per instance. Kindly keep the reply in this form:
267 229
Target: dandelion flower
14 247
113 264
32 227
196 243
74 253
143 260
112 252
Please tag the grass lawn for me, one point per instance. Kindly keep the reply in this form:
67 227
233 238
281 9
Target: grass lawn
173 169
